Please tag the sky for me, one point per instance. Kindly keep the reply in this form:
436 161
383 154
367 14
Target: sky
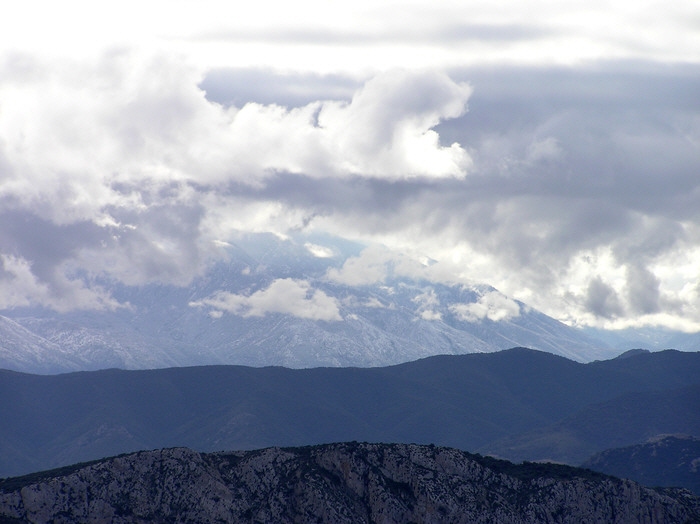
548 148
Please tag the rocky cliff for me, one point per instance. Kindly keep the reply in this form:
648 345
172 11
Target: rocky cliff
351 482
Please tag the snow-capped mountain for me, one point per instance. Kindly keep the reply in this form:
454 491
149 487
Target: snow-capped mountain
294 302
23 350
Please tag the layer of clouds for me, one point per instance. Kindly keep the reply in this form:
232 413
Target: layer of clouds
121 169
285 295
577 175
573 190
364 35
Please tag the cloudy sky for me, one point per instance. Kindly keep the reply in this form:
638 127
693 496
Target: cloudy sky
549 148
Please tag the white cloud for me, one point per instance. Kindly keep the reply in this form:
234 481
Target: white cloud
385 132
364 35
319 251
285 295
73 134
426 303
364 270
374 302
426 299
430 315
376 263
493 305
127 142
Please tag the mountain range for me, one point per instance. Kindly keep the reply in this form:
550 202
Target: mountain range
298 302
335 483
553 408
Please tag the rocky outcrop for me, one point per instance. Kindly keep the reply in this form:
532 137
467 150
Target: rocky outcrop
335 483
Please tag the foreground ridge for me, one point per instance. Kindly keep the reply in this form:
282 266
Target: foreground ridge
347 482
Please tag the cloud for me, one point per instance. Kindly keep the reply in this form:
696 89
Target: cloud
426 303
366 35
128 172
123 168
574 176
429 314
367 269
374 302
20 287
602 300
285 295
91 136
642 290
319 251
492 305
385 131
377 264
239 86
448 33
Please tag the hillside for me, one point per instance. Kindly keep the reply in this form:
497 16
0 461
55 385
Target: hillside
334 483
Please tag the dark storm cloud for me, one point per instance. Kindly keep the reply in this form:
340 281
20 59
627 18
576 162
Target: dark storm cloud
602 300
642 289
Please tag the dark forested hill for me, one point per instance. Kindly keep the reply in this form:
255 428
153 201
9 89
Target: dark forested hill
470 402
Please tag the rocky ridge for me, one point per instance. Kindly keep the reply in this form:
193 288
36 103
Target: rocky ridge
347 482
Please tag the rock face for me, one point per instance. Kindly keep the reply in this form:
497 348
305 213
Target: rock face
350 482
